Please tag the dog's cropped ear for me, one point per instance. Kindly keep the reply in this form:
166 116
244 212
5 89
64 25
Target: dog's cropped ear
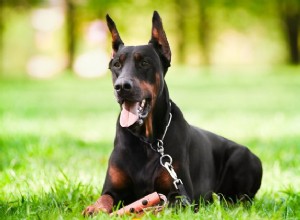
116 39
158 37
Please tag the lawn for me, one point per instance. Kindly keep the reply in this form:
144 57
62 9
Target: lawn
56 136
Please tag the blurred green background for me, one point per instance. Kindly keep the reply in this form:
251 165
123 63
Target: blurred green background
46 37
235 71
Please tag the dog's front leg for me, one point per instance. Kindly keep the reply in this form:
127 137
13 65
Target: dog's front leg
103 204
116 188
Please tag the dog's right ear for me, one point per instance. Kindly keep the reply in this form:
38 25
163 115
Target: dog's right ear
158 37
116 39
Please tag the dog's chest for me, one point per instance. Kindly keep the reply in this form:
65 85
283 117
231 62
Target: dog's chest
150 177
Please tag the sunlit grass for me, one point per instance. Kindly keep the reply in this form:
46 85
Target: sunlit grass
56 136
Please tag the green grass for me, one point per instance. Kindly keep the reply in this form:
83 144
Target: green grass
56 136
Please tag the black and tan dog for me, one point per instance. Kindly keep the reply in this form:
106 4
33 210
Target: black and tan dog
203 161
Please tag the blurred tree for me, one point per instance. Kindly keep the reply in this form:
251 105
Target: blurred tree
200 8
203 12
75 9
1 33
181 11
98 8
17 5
289 11
204 30
71 34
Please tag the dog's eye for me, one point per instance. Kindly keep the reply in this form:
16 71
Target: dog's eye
144 63
117 64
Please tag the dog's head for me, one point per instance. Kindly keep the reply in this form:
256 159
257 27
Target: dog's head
138 72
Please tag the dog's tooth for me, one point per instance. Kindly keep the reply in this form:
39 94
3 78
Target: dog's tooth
143 103
140 121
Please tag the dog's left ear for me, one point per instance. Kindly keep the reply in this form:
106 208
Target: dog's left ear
158 37
116 39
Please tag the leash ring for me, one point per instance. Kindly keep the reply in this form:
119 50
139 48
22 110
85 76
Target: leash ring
166 157
160 143
160 147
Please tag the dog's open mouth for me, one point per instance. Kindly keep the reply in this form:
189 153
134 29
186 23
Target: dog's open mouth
133 112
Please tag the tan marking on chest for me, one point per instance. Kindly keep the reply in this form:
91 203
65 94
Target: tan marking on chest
118 177
164 181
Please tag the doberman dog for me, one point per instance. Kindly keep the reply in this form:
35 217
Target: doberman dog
204 162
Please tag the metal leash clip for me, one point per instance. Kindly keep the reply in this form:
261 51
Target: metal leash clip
168 166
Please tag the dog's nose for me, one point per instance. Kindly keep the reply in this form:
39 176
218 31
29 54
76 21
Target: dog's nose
123 85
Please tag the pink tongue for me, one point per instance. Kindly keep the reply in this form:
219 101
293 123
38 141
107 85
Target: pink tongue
129 114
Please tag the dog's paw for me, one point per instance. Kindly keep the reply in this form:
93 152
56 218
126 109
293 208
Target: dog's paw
93 210
103 204
90 210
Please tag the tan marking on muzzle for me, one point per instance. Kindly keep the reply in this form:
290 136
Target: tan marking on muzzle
152 89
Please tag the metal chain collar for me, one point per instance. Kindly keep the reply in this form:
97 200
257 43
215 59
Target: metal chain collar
166 161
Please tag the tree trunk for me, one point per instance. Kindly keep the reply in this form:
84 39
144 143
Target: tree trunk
204 31
290 15
71 38
1 34
180 36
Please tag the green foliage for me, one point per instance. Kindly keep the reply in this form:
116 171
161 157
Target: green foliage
200 32
21 3
56 137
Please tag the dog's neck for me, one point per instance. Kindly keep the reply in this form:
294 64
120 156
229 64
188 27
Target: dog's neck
161 114
155 124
